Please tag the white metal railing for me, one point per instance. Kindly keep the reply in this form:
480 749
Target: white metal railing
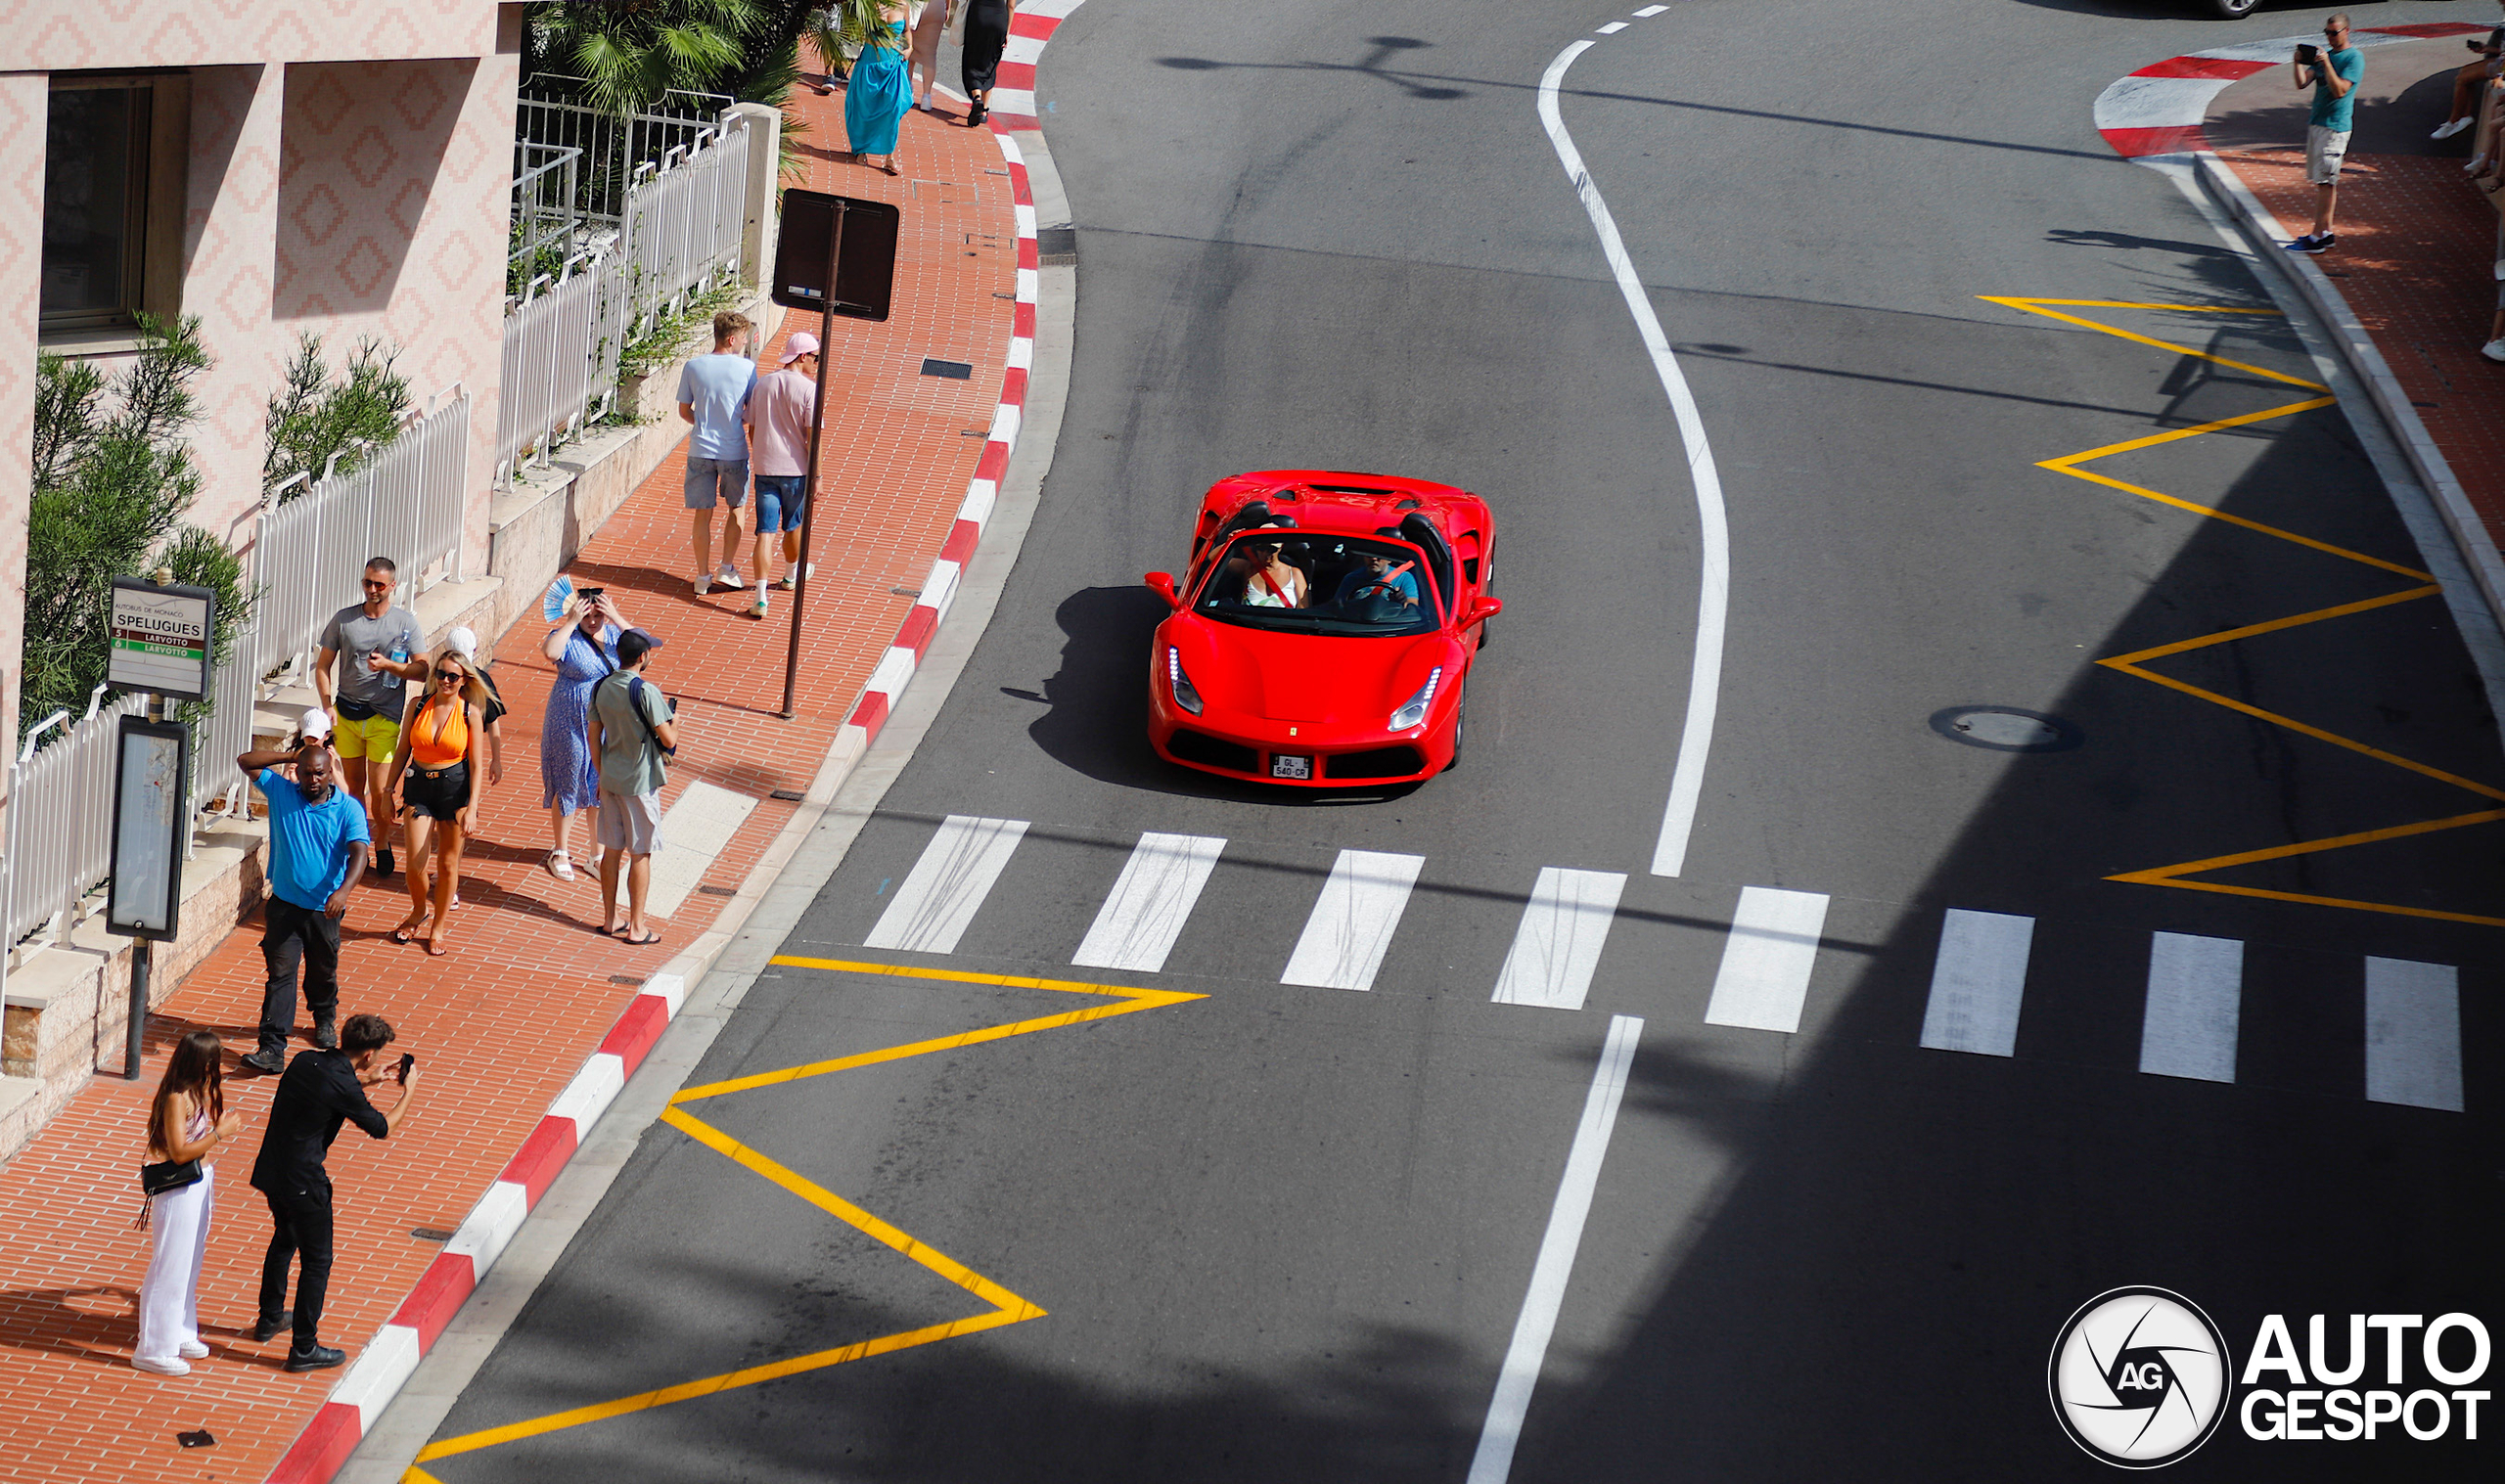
61 814
405 504
683 223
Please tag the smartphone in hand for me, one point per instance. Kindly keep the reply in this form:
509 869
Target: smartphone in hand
408 1059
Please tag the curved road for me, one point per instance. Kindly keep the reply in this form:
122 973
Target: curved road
1285 1233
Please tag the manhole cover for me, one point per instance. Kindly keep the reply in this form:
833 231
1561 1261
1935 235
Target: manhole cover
2006 728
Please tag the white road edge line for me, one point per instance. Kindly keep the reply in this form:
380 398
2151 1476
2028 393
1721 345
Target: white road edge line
1714 533
1556 1262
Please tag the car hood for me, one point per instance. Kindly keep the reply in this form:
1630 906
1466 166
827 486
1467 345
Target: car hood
1306 677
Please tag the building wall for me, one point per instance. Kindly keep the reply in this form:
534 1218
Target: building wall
70 35
23 108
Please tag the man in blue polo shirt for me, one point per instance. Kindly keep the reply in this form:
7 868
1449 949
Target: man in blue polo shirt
318 846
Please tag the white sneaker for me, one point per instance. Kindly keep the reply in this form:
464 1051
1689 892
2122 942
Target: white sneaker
704 585
159 1366
757 609
2477 163
785 582
192 1350
2494 350
2449 129
729 577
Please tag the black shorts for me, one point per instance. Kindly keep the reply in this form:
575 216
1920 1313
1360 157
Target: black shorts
436 795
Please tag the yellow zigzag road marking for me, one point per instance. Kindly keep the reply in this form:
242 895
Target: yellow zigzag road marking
2137 663
1006 1308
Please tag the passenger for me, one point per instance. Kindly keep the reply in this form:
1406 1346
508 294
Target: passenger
1383 589
1270 580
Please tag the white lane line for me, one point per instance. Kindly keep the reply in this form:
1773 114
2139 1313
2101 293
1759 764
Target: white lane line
2196 996
939 896
2414 1034
694 832
1766 959
1977 982
1613 28
1140 919
1714 533
1558 945
1556 1261
1353 919
1650 11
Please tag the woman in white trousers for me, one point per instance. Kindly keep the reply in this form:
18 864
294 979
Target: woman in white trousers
187 1121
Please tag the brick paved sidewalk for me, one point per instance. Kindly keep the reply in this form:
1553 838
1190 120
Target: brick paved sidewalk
2413 261
531 987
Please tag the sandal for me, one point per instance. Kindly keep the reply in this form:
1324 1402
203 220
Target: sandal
400 934
649 937
891 165
560 865
435 947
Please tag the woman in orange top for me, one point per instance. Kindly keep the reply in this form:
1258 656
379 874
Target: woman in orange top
442 752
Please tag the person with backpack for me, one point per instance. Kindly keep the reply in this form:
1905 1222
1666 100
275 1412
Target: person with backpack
634 732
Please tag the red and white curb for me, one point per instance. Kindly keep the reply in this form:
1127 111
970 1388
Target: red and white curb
895 668
1013 91
384 1366
2159 108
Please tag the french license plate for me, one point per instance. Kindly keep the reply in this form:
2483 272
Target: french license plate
1283 766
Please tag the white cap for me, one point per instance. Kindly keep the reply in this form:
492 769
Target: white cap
462 641
314 723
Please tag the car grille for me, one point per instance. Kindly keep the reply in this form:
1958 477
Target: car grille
1380 762
1211 753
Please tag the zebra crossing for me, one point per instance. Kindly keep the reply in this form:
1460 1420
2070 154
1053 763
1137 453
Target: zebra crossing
2192 1008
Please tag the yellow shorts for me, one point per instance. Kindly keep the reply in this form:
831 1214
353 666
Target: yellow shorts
376 737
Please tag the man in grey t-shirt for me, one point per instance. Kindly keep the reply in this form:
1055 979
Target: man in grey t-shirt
633 731
377 648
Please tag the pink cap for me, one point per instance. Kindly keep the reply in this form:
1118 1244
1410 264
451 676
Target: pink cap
801 344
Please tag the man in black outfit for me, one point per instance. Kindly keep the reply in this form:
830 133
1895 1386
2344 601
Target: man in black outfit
321 1090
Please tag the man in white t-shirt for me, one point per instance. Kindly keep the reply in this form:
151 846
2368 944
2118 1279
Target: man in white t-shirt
712 395
778 429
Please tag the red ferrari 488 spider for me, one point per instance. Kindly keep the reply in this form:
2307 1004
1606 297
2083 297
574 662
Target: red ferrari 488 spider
1324 632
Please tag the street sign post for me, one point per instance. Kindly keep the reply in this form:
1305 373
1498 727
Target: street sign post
835 255
152 814
165 638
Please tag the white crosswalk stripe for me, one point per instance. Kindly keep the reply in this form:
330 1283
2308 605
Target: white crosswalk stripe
1352 921
1767 960
2414 1034
1558 946
1144 914
939 896
2194 1003
1977 982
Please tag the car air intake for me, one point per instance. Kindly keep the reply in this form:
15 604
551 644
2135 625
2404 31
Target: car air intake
1211 753
1381 762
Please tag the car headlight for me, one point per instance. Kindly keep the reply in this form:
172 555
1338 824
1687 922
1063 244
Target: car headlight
1413 711
1184 696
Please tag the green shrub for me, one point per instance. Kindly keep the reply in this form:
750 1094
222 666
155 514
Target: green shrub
312 417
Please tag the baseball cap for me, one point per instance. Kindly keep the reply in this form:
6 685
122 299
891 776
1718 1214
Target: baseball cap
462 641
314 723
635 644
801 344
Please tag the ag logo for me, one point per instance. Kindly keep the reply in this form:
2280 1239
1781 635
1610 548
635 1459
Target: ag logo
2139 1378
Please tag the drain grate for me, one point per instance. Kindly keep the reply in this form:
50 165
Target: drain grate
431 1234
955 371
789 795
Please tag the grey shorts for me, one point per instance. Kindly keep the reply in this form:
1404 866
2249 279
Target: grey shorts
710 478
2325 149
632 824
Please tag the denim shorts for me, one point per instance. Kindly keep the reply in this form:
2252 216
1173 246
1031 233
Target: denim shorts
781 499
706 475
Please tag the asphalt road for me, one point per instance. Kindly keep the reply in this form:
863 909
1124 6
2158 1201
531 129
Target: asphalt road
1284 1233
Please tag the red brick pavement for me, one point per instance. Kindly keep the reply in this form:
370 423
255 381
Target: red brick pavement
531 987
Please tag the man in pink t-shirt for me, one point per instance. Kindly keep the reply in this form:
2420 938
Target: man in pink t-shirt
778 435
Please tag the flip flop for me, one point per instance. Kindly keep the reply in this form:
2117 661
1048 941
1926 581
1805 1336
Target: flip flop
435 947
649 937
400 934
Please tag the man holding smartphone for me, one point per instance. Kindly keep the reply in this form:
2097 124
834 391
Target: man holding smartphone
2334 76
321 1090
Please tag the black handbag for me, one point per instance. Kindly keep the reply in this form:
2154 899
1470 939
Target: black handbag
156 1179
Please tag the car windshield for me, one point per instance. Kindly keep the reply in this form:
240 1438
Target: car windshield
1280 578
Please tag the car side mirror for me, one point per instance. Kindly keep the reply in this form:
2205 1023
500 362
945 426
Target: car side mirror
1163 584
1485 608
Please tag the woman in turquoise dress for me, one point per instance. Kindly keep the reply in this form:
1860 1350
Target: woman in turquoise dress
880 90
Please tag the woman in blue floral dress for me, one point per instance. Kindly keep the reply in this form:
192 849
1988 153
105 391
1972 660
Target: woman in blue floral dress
879 91
584 648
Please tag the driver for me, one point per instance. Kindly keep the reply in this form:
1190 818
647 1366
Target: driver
1383 586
